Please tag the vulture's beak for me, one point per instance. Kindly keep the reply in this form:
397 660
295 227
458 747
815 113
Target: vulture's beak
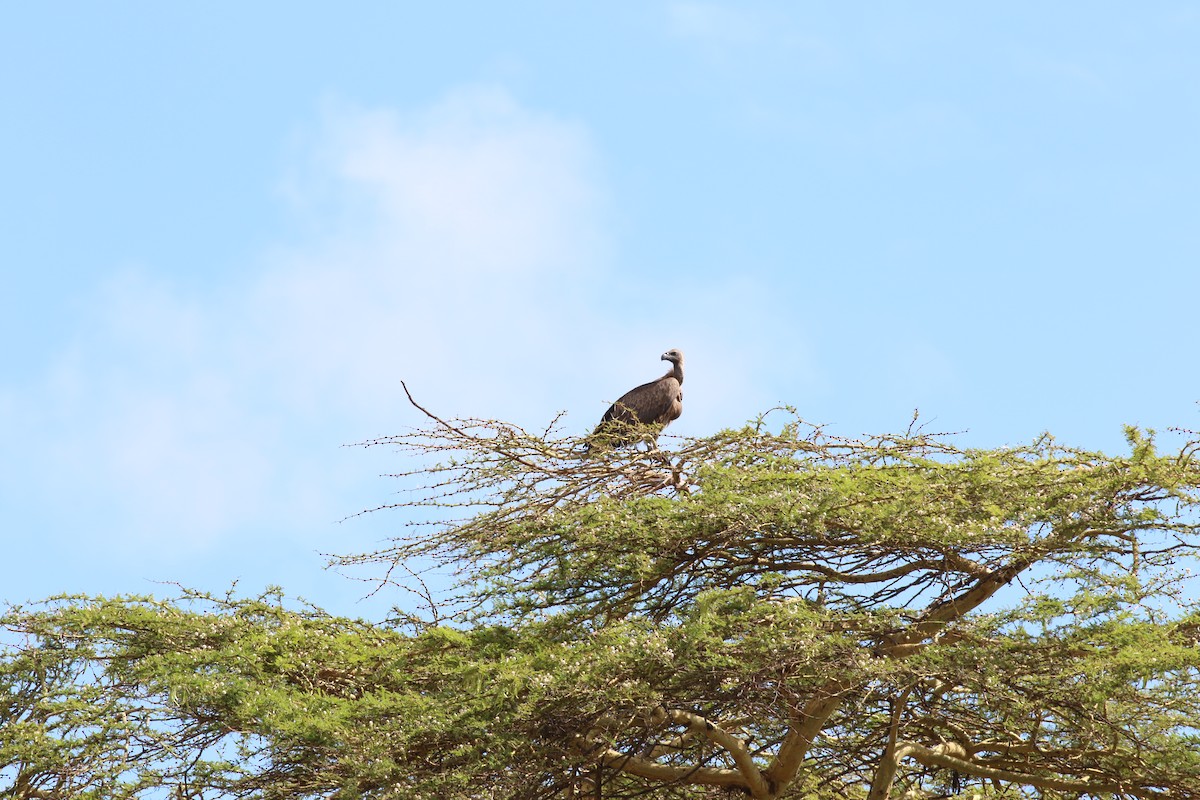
665 357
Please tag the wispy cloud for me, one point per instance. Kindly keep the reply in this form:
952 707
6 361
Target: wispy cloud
715 23
462 235
1053 70
463 248
480 225
738 37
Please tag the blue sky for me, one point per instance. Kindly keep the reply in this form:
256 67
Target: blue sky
228 232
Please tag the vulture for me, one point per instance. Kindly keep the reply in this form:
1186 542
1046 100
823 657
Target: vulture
654 404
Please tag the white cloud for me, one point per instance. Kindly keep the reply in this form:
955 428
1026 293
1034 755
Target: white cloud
484 228
735 37
462 248
476 183
714 23
1055 71
462 236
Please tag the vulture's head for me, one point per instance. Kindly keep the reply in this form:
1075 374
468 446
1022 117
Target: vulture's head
674 355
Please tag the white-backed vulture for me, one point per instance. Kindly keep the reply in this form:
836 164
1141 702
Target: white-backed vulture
654 404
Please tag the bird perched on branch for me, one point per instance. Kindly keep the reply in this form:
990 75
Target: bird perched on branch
652 405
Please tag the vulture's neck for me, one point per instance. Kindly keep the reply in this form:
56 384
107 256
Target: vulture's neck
676 372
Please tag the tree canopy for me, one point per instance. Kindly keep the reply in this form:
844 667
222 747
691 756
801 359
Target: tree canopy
772 612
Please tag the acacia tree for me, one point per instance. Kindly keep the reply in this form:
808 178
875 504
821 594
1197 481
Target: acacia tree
772 612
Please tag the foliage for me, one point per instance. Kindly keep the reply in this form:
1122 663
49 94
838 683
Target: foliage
772 613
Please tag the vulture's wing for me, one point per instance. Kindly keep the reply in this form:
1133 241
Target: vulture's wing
654 403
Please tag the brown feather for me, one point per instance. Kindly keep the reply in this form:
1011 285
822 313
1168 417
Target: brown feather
655 404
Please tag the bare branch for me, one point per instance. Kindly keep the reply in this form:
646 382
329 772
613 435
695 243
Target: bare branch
954 756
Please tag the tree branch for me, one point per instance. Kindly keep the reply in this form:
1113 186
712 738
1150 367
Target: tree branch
648 768
804 729
746 775
736 748
885 772
937 618
954 756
